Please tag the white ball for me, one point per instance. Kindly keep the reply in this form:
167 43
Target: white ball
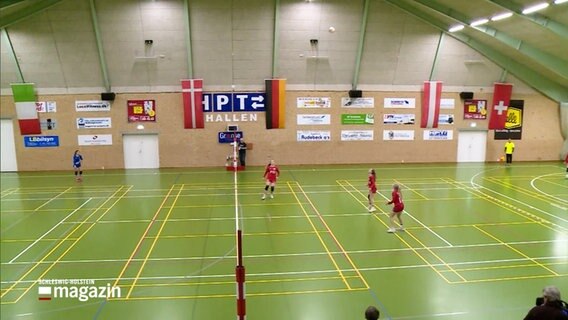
331 29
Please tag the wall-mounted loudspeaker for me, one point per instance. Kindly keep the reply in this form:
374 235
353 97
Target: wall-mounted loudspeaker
355 93
466 95
108 96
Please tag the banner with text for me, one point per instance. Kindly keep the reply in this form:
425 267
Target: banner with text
234 102
404 135
92 106
438 135
313 102
94 140
447 103
41 141
314 119
46 106
306 136
363 103
446 119
391 118
400 103
475 109
514 125
94 123
358 118
357 135
141 110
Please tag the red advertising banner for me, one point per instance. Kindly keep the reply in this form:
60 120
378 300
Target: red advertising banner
141 110
475 109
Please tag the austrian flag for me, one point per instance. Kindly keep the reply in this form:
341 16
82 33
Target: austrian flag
25 99
192 91
431 98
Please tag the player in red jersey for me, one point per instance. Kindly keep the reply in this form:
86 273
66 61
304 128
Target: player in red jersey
397 209
372 185
271 174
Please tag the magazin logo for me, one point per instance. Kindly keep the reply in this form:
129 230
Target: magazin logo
78 289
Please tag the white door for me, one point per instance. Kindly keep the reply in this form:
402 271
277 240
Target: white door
141 151
7 146
472 146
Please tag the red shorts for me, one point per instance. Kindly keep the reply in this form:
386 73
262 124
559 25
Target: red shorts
373 189
398 208
271 179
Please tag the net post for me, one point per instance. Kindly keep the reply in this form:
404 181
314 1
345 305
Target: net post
240 277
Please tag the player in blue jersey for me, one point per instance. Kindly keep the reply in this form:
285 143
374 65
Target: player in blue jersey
77 159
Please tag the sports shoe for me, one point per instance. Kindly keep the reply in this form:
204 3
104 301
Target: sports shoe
372 209
391 230
401 228
271 196
263 197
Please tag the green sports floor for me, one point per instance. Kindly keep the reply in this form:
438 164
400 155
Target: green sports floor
481 242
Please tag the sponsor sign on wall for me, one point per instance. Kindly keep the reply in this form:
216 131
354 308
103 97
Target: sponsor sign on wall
438 134
358 118
314 119
313 102
357 102
92 106
48 124
41 141
446 119
447 103
94 123
94 140
234 102
404 135
391 118
46 106
514 125
475 109
313 136
400 103
229 136
141 110
357 135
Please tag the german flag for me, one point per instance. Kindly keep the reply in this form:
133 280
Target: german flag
275 103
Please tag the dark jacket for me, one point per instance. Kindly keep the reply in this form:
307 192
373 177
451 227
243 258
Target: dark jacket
547 311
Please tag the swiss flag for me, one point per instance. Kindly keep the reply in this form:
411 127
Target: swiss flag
192 92
501 99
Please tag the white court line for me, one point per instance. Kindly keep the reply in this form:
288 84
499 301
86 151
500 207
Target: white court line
476 186
53 198
334 271
48 231
548 194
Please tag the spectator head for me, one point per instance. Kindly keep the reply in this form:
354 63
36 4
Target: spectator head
372 313
551 294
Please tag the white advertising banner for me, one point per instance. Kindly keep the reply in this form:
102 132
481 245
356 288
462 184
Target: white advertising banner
94 140
46 106
404 135
313 102
400 103
313 136
438 135
391 118
94 123
447 103
314 119
92 106
357 135
363 103
446 119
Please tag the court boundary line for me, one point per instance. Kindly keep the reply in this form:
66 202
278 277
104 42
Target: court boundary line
540 197
53 198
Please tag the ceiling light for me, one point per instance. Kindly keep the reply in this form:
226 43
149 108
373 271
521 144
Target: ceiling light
536 8
479 22
560 1
456 28
503 16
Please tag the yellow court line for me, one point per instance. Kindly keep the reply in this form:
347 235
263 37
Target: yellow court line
8 192
333 236
412 190
508 206
555 183
79 238
516 250
32 240
532 265
517 278
319 237
395 234
232 205
529 193
135 250
233 295
471 225
53 249
154 243
53 198
281 233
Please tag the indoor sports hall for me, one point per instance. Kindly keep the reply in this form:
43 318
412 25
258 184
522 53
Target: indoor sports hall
284 159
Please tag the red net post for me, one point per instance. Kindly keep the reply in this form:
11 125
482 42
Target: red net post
240 278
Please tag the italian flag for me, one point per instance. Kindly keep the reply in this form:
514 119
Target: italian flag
25 99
